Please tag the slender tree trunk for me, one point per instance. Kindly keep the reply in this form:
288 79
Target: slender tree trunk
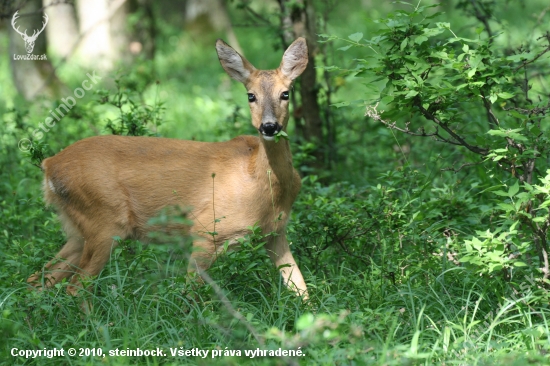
205 15
144 29
62 29
103 30
298 20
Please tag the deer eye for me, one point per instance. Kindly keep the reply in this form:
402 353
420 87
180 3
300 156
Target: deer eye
284 95
251 98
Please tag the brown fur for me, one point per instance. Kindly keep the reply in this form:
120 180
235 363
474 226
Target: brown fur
108 186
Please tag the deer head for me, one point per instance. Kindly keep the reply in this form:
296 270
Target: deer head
29 41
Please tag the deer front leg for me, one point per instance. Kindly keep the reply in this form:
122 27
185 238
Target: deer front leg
201 258
280 254
64 264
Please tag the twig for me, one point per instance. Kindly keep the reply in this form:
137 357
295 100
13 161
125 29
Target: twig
493 120
460 167
258 16
535 312
545 269
345 248
225 302
461 141
483 18
531 112
525 63
542 14
372 112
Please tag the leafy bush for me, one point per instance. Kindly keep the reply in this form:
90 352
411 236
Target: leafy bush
479 96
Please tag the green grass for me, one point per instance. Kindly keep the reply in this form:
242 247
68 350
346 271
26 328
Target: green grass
356 314
347 321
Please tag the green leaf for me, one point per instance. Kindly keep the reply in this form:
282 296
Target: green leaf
506 207
420 39
516 114
440 54
514 189
430 32
281 135
404 44
340 104
501 193
356 37
411 94
505 95
387 99
535 130
497 133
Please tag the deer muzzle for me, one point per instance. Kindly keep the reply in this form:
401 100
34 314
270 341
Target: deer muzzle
269 130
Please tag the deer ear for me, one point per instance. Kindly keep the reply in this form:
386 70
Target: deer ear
234 64
295 59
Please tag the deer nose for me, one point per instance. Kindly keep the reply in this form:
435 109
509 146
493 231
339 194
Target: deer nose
269 129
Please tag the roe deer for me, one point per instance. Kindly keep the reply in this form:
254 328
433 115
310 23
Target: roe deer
108 186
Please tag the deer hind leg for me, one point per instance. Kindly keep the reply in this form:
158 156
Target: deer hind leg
65 263
96 253
280 254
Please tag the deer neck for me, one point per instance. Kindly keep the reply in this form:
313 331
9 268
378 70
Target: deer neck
274 163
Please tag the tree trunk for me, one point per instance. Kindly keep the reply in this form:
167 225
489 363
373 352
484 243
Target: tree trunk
103 30
299 21
144 29
31 77
62 29
208 15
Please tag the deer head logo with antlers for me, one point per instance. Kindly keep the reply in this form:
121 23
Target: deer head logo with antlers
29 41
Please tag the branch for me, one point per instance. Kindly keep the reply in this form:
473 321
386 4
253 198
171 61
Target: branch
461 141
258 16
462 166
531 112
484 18
372 112
227 304
525 63
493 120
